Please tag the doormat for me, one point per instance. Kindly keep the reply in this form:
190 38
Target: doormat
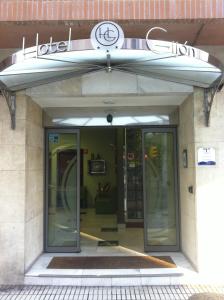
135 225
109 229
111 262
108 243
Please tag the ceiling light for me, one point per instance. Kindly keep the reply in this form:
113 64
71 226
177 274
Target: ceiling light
108 101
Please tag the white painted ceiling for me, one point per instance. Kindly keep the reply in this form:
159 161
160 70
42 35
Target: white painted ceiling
109 90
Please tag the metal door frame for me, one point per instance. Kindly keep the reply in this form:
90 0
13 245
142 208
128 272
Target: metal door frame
58 248
161 248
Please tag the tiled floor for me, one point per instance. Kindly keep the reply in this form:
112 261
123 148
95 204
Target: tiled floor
132 238
91 225
104 293
130 243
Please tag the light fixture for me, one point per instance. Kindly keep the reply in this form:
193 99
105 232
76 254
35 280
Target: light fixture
108 101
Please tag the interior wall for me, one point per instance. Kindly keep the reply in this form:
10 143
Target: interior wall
98 141
186 134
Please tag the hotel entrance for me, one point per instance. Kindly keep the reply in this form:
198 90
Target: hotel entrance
111 187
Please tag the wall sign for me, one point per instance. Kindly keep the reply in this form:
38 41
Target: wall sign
52 48
107 36
173 48
206 156
53 138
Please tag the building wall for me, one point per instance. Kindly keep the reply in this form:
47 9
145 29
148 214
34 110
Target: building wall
202 219
209 186
12 193
18 10
34 183
18 198
187 179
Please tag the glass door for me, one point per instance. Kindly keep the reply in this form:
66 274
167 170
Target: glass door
160 190
62 191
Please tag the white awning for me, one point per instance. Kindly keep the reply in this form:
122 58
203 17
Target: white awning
47 63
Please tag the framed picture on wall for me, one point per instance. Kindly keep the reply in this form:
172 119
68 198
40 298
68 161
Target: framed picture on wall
97 166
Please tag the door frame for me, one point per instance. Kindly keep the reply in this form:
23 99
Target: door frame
46 182
162 248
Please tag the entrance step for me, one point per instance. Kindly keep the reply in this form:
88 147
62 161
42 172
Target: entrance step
39 274
105 280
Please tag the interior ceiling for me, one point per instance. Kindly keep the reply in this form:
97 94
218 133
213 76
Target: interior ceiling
107 103
68 112
196 32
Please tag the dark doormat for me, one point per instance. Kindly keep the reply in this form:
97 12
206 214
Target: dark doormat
109 229
135 225
108 243
111 262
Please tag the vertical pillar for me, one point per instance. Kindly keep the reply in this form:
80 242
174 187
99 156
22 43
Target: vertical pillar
120 175
210 186
34 183
21 194
187 179
202 220
12 192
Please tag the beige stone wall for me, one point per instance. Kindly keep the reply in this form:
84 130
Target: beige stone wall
187 178
210 186
21 221
12 193
202 213
34 183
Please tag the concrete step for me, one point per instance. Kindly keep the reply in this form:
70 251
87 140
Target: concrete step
123 279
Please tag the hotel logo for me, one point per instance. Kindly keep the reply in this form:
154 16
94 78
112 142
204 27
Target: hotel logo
107 36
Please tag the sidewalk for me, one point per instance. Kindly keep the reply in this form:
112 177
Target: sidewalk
173 292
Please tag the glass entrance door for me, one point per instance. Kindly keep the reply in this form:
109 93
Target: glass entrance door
62 189
160 190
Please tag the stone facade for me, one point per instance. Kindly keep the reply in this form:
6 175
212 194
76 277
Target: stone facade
187 179
202 212
209 185
21 220
34 183
22 170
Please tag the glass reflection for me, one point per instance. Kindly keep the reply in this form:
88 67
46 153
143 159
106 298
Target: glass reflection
62 190
160 189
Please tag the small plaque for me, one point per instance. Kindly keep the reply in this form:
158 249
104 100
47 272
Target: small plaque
206 156
54 138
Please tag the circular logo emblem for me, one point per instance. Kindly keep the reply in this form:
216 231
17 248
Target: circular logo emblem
107 36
